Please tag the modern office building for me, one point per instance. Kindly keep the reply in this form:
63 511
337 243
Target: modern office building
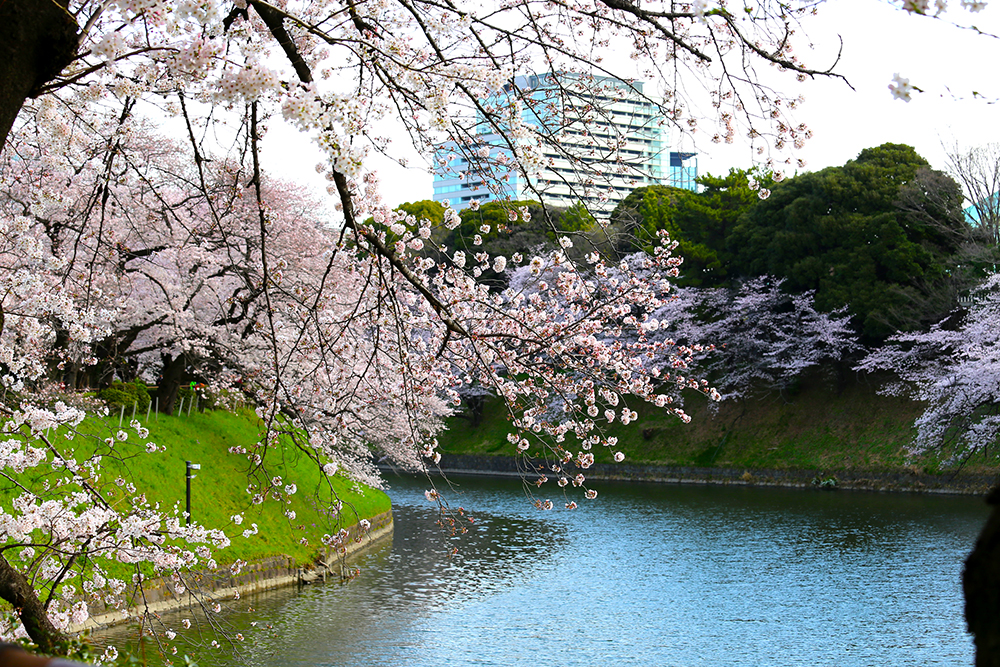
591 139
988 207
683 170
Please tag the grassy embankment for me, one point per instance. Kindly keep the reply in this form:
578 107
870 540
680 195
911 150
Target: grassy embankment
220 489
822 427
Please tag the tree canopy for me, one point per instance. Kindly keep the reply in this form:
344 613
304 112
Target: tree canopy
701 221
842 232
509 228
883 236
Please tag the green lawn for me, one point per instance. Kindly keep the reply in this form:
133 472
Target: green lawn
219 490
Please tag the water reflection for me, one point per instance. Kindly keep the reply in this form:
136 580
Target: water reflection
645 575
402 583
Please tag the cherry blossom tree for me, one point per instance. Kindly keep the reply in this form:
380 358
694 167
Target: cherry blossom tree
752 337
953 367
344 337
346 341
768 337
335 68
68 514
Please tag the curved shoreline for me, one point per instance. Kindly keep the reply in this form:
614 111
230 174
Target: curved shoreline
902 481
159 595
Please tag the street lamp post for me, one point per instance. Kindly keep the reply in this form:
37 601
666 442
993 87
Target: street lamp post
190 467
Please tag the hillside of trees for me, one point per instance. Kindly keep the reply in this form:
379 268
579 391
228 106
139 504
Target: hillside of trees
868 275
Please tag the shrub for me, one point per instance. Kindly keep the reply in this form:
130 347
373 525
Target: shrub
125 394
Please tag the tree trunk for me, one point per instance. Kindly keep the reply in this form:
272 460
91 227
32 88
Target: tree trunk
981 581
174 372
16 590
477 404
38 38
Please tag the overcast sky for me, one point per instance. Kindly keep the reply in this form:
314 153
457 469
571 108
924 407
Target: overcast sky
950 64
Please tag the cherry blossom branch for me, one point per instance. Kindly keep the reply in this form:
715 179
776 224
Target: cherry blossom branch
350 221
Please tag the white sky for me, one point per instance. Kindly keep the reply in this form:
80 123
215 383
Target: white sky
947 62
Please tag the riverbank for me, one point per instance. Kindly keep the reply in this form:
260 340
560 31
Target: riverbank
959 483
163 594
280 540
833 428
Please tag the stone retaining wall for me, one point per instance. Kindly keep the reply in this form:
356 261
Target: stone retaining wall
908 481
160 594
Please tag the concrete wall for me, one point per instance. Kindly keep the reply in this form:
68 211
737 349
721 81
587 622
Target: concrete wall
960 483
160 594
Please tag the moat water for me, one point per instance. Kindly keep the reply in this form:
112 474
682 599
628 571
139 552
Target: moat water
643 575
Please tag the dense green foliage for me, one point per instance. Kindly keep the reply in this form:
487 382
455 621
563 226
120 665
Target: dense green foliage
883 235
700 222
509 231
503 229
843 233
427 209
125 395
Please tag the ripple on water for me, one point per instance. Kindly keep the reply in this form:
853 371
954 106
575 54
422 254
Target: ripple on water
645 575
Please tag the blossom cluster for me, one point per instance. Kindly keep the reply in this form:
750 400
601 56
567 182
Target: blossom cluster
116 246
953 369
86 518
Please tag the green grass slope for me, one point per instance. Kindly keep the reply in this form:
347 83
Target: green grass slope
219 490
825 425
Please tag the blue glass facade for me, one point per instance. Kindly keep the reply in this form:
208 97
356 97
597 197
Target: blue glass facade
683 170
589 139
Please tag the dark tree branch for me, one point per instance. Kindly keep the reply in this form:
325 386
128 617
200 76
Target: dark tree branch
38 38
18 591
